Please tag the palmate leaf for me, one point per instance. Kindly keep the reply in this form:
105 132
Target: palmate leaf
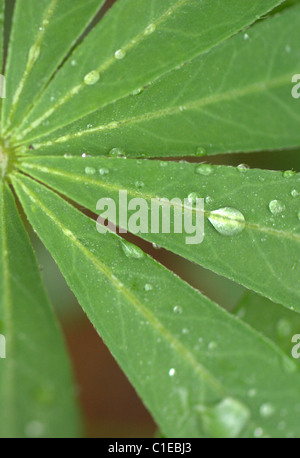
43 33
270 319
267 248
36 393
194 365
150 38
237 97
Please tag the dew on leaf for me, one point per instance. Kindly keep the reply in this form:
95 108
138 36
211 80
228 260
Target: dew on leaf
148 287
177 309
91 78
117 152
288 173
120 54
131 251
204 169
200 151
227 221
266 410
89 171
172 372
276 207
227 419
103 171
294 193
192 197
243 168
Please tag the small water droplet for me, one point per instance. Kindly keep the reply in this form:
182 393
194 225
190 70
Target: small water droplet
132 251
276 207
150 29
227 221
172 372
67 155
204 169
243 168
137 91
266 410
252 393
103 171
73 63
156 246
246 36
185 331
212 345
116 152
258 432
139 184
91 78
177 309
163 163
227 419
34 53
89 171
289 173
148 287
294 193
288 48
34 429
89 126
120 54
284 328
200 151
192 197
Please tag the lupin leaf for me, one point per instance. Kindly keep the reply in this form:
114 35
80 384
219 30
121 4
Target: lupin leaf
36 392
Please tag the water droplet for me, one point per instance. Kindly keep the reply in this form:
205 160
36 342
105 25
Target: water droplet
227 419
212 345
192 197
258 432
288 48
85 155
91 78
150 29
284 328
172 372
68 155
208 200
120 54
289 173
103 171
73 63
204 169
200 151
177 309
246 36
185 331
132 251
227 221
116 152
137 91
139 184
89 126
243 168
156 246
252 393
89 171
294 193
34 429
266 410
163 163
276 207
34 53
148 287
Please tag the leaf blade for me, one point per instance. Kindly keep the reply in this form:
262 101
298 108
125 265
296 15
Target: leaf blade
99 275
34 402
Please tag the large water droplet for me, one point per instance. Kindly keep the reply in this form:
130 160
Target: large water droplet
92 78
132 251
276 207
227 419
227 221
204 169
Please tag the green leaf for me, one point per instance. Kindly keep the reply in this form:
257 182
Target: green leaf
36 392
136 42
1 33
270 319
194 364
42 35
268 246
237 97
